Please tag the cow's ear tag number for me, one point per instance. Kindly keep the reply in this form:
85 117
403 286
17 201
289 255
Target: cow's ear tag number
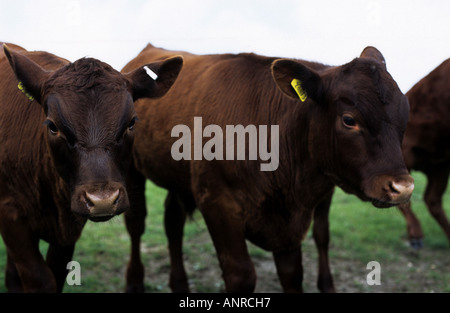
297 85
22 88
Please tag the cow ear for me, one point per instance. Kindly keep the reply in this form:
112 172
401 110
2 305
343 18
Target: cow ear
374 54
155 79
30 75
297 80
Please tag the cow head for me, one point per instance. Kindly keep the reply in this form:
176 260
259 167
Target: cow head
357 119
90 120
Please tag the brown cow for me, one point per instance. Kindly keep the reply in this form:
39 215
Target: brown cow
426 146
425 149
346 131
65 154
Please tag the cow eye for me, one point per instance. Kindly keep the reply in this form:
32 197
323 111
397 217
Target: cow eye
348 121
132 123
52 127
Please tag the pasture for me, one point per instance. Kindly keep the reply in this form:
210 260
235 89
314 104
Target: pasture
360 233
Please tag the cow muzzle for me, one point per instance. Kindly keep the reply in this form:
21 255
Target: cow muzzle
387 191
100 202
400 192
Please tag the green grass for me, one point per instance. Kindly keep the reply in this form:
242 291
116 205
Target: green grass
374 226
359 233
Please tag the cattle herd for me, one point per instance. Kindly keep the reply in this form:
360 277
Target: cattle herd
257 144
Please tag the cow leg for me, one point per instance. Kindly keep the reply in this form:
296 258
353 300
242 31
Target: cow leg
174 220
321 234
437 183
25 260
57 259
135 224
226 227
290 269
413 226
12 279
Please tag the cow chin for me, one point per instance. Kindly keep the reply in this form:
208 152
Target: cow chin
382 204
99 202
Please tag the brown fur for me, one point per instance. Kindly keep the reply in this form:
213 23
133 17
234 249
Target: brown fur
425 148
317 151
426 145
64 156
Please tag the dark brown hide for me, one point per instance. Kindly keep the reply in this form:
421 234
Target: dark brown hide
348 132
65 155
425 148
426 145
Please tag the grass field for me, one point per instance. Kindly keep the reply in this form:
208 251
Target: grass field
359 233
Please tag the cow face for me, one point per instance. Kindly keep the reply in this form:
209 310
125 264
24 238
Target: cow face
90 120
358 117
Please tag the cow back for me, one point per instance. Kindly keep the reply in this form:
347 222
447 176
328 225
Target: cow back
427 135
226 89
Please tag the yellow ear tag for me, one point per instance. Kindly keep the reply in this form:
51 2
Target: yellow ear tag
22 88
297 85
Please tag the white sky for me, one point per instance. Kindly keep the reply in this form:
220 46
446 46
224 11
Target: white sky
413 35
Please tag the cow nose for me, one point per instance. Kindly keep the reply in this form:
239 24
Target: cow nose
401 191
102 204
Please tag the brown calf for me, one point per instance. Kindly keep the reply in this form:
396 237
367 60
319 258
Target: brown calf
426 145
65 155
346 131
425 148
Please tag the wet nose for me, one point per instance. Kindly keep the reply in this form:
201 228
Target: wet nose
401 191
102 203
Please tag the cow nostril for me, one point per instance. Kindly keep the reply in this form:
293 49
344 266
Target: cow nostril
400 191
88 201
392 188
102 200
116 201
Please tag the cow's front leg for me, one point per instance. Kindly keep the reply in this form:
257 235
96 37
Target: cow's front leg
12 279
226 227
135 224
321 234
290 269
176 208
57 259
25 260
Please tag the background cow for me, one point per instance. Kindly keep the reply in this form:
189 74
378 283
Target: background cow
426 145
65 152
347 131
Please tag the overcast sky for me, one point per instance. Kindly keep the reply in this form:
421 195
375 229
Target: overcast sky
413 35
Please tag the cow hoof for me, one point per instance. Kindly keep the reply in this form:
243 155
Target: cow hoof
135 289
416 243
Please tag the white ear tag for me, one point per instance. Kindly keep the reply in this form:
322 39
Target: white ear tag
150 73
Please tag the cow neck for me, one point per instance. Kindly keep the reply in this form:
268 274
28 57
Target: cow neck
297 164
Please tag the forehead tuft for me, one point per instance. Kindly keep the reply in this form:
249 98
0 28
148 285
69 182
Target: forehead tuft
369 76
364 65
86 74
87 93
